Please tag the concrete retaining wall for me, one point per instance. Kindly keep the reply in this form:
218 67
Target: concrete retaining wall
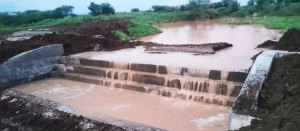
244 108
30 65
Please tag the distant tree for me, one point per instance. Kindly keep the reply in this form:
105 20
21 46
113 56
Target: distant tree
227 3
65 10
234 6
199 2
135 10
160 8
102 9
251 3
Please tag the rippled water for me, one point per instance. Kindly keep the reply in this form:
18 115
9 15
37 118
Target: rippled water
96 101
244 38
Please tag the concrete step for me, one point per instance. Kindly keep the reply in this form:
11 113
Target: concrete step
156 79
103 81
146 88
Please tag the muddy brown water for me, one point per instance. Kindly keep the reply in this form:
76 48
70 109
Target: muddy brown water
94 101
244 38
167 113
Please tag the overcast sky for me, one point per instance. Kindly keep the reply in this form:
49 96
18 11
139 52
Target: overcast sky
81 5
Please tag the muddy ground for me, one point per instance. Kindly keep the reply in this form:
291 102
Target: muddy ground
290 41
210 48
278 103
28 113
77 38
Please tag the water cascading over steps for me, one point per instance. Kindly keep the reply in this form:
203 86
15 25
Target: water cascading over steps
210 86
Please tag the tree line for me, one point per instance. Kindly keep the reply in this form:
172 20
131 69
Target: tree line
205 9
197 9
32 16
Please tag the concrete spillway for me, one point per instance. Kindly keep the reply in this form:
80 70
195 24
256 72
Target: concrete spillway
209 86
124 94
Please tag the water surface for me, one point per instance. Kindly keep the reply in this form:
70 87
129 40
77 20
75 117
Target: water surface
244 38
94 101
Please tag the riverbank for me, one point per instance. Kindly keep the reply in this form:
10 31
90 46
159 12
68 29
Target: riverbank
281 23
27 113
141 23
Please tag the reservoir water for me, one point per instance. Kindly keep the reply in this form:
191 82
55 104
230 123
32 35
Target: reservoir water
244 38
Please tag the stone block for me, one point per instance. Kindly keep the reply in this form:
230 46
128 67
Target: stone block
144 68
97 63
162 70
237 76
133 88
175 84
215 74
236 90
148 79
90 71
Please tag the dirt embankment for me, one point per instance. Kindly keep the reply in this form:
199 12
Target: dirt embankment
278 103
209 48
77 38
28 114
290 41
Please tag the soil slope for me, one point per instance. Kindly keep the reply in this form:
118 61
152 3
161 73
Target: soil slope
290 41
77 38
279 99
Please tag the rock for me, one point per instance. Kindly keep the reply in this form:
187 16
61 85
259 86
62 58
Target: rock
268 44
293 89
60 68
290 41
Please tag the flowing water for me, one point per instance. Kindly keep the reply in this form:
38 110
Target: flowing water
166 113
244 38
95 101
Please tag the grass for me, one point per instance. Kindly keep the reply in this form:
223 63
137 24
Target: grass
282 23
141 21
120 35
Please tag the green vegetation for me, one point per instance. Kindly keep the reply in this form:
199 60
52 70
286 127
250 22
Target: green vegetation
135 10
279 14
102 9
33 16
120 35
273 22
143 21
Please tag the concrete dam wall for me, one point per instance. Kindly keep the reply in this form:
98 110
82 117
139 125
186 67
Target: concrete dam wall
209 86
30 65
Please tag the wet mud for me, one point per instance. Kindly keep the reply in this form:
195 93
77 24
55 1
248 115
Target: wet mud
278 103
77 38
20 112
290 41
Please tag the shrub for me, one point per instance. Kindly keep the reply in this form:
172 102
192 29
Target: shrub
120 35
135 10
102 9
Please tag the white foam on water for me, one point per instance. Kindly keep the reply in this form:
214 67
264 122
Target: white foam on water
210 121
120 107
3 97
86 125
61 92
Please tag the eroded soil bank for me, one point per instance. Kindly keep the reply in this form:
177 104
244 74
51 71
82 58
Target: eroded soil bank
20 112
290 41
278 103
91 36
